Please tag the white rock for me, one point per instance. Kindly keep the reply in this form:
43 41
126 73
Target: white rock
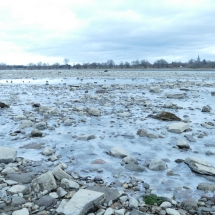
133 203
82 202
7 155
120 212
118 152
40 126
129 160
124 114
44 182
54 195
61 206
8 170
59 173
69 183
26 124
182 144
171 211
157 164
166 205
23 211
48 151
94 112
178 127
109 211
19 117
18 189
200 166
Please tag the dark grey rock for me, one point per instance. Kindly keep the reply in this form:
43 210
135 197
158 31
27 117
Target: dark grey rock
36 133
46 201
3 105
190 138
134 167
17 200
22 178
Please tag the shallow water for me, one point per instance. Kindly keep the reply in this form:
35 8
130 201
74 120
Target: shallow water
109 128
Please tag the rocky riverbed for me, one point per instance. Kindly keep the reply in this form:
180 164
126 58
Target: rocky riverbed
94 142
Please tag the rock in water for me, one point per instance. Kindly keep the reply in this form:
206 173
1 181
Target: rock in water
82 202
175 96
200 166
3 105
206 187
36 133
166 116
118 152
206 108
7 155
157 165
178 127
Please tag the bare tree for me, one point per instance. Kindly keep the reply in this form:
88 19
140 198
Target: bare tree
66 61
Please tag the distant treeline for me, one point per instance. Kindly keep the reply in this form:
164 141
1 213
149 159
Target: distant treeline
110 64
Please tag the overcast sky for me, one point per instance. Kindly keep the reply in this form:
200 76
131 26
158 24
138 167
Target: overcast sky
99 30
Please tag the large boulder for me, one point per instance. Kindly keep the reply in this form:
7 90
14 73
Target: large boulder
82 202
178 127
7 154
200 166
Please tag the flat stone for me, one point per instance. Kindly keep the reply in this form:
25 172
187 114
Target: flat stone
82 202
190 138
7 155
17 200
178 127
46 201
134 167
136 212
109 193
60 174
23 211
182 144
23 178
200 166
206 187
175 96
18 189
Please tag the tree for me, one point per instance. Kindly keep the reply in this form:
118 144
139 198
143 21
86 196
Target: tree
66 61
